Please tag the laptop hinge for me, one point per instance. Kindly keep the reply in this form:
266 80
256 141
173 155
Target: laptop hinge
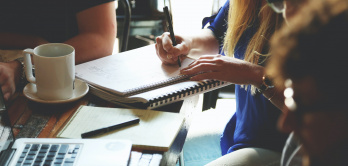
6 156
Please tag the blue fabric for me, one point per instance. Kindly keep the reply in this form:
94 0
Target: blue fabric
254 123
218 23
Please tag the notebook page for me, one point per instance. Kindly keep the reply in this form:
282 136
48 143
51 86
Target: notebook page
155 131
129 70
89 118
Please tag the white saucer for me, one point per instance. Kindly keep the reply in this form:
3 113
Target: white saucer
81 89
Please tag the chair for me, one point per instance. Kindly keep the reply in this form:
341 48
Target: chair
126 24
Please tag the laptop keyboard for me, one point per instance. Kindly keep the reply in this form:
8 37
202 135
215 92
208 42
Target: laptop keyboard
49 154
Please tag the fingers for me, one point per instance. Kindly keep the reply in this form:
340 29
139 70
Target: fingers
201 68
168 53
161 53
7 81
180 49
7 91
167 42
169 56
200 62
206 67
206 59
205 71
7 95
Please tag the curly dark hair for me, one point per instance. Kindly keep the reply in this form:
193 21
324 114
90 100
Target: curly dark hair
314 45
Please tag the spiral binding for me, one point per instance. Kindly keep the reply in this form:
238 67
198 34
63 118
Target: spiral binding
165 99
156 85
178 95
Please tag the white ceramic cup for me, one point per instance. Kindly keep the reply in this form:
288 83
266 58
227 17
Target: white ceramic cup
54 70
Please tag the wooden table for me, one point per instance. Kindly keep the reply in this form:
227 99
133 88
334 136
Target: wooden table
31 119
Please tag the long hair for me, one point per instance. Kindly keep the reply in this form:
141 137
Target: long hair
246 13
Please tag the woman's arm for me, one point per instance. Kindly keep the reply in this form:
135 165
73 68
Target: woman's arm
235 71
97 33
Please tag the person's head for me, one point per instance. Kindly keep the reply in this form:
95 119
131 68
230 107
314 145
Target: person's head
310 58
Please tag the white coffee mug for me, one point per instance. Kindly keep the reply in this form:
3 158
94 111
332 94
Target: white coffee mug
54 70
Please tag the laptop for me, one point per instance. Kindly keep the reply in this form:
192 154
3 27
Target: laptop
56 151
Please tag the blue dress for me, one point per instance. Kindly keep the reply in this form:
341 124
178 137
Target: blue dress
255 122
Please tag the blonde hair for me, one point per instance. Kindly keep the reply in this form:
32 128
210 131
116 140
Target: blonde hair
244 14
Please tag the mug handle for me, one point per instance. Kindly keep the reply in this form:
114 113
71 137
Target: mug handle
28 65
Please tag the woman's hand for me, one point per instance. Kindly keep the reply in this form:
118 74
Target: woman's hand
9 77
225 69
168 53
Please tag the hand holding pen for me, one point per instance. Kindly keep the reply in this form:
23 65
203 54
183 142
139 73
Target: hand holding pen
167 53
171 31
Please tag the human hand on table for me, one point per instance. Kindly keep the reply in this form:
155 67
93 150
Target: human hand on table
9 77
225 69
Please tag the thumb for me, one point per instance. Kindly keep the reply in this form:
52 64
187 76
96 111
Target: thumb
179 49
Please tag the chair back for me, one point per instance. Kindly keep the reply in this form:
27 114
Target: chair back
126 24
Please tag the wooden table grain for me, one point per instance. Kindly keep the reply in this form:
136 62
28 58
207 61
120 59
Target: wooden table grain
30 119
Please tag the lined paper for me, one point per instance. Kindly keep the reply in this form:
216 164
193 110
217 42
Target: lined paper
155 131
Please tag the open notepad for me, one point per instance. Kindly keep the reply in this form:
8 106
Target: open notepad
155 131
137 78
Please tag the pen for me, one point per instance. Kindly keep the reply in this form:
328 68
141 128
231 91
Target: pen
170 27
110 128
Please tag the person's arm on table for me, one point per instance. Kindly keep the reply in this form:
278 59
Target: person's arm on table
235 71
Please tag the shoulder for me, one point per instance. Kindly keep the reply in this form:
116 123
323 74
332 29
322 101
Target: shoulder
80 5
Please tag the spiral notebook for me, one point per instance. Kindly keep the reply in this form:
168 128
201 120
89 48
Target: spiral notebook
138 79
